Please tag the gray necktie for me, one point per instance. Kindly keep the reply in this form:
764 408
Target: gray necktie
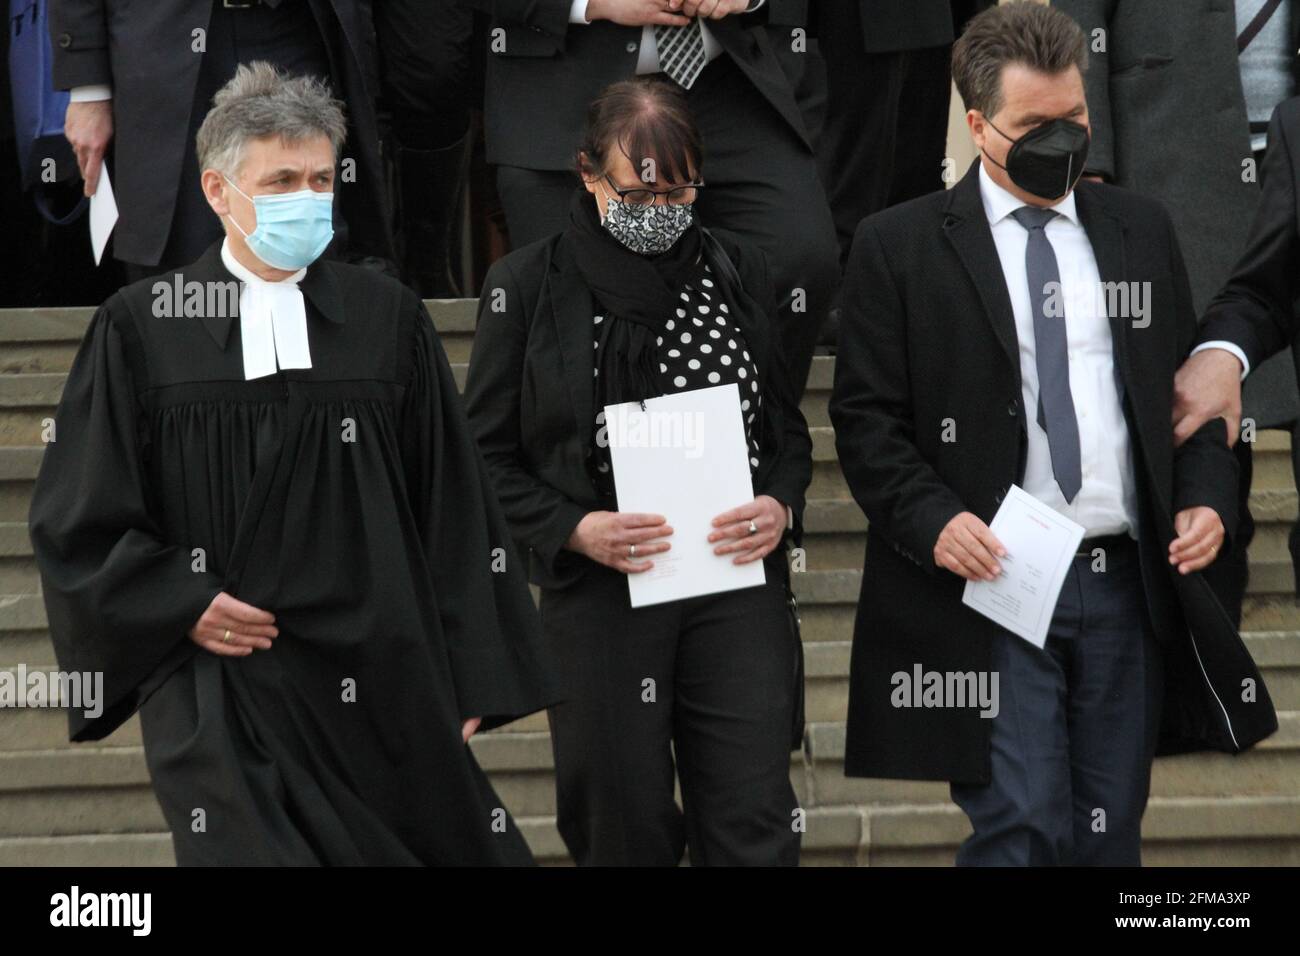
681 52
1055 403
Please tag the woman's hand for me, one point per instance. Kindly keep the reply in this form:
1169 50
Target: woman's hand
231 628
732 527
468 728
607 537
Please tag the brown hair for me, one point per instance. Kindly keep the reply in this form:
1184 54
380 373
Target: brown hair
1031 34
645 118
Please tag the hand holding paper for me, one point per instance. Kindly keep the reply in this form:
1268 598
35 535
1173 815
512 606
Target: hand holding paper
1040 544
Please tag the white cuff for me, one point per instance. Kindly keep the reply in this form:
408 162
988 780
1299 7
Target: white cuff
93 93
578 12
1231 350
789 518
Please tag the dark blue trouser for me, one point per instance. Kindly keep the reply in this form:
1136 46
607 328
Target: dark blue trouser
1075 733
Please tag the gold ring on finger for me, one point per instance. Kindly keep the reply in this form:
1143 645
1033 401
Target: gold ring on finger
226 639
753 528
631 551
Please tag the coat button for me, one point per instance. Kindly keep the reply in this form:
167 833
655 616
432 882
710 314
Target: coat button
631 48
1013 407
65 40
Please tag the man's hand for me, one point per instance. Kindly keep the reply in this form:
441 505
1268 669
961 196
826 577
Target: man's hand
468 728
1208 386
635 13
249 627
89 127
1200 536
967 548
604 536
709 9
732 526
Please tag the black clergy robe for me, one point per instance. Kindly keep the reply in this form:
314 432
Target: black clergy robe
347 499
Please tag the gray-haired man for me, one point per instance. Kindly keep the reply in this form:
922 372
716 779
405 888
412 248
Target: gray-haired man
265 522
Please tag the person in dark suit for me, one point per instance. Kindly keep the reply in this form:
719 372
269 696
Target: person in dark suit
636 298
888 85
548 60
1179 96
142 78
1254 315
956 379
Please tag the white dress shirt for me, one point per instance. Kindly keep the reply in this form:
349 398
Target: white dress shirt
647 60
1107 501
272 319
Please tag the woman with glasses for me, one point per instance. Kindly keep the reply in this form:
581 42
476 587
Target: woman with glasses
636 299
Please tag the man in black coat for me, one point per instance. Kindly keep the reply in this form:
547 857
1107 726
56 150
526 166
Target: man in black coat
142 76
548 60
955 381
1256 310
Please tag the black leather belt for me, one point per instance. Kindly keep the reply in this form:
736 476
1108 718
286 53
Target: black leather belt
1109 543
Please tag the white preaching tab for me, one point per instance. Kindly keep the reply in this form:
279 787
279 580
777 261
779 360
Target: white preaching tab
272 320
1040 544
103 213
683 457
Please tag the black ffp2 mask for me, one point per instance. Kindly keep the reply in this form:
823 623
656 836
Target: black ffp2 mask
1048 160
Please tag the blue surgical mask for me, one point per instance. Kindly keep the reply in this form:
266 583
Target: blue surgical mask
293 229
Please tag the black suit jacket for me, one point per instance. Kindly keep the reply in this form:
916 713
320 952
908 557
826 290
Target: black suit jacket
543 73
144 51
928 335
1256 310
530 399
889 26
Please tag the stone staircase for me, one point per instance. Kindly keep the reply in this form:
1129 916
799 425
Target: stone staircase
91 804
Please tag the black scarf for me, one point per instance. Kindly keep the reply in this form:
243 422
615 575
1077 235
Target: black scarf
638 293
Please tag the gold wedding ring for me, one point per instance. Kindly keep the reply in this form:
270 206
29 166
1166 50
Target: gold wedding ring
631 551
226 639
753 528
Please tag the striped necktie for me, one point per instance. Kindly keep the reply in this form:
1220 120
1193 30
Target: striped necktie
681 52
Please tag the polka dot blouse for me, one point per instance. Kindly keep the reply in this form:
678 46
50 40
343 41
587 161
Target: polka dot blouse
701 347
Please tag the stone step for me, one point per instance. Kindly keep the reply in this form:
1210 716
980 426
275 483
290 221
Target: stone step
58 792
1190 831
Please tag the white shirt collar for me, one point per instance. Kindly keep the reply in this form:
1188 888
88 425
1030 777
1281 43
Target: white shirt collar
998 203
272 320
244 274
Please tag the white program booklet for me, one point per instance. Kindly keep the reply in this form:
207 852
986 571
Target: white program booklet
1040 544
684 457
103 213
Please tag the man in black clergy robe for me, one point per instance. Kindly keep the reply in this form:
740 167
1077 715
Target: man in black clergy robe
272 532
978 352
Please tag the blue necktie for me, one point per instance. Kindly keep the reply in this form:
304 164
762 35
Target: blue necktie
1051 349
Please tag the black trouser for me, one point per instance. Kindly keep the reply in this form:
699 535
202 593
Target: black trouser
286 36
709 680
424 58
762 183
886 129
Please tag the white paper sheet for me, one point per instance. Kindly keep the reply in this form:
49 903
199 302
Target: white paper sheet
1040 545
103 213
683 457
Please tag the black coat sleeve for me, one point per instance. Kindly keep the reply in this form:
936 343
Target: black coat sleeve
541 517
1205 469
489 622
120 599
901 494
82 58
1256 308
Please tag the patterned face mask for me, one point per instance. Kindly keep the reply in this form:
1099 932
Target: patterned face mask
647 230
